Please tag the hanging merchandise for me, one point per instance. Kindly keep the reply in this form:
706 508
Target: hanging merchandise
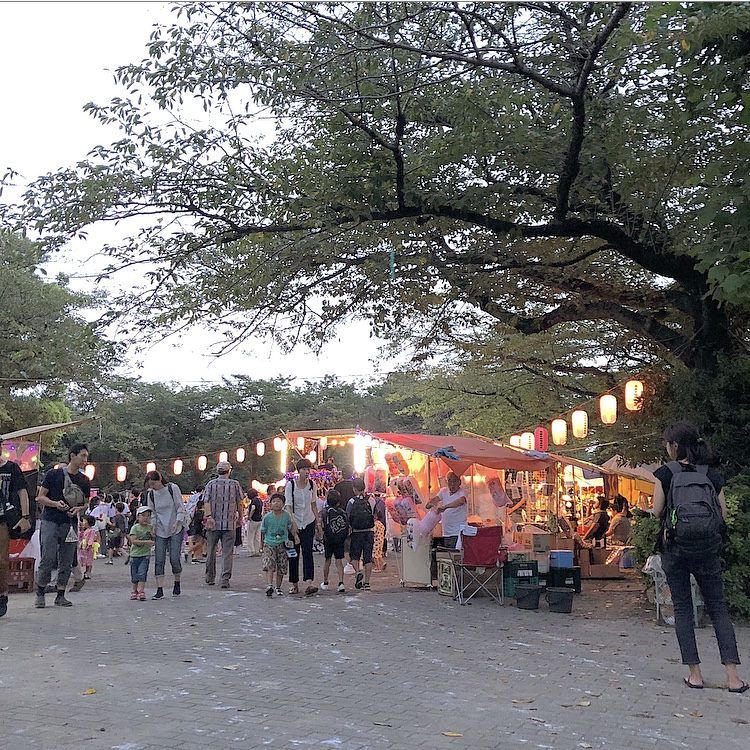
579 421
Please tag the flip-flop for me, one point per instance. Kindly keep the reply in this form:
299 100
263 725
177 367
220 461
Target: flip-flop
745 687
691 685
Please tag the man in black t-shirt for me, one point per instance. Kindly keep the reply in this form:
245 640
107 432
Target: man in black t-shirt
64 495
12 490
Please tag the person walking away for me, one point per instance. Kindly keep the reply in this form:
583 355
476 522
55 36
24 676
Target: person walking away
141 541
14 498
63 495
300 496
88 537
168 520
335 533
254 518
689 499
222 506
197 534
362 540
117 528
378 563
275 529
101 513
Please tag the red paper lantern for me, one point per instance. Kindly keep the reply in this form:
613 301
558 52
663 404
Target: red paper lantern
541 439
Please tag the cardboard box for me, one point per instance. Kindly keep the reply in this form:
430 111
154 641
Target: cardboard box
534 541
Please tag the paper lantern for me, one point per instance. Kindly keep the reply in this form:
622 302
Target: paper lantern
579 422
515 441
177 467
150 466
541 439
121 473
240 455
608 409
223 456
300 443
277 444
312 457
634 395
559 431
323 444
527 440
201 463
90 471
260 449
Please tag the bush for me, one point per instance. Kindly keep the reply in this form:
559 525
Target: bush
736 556
643 536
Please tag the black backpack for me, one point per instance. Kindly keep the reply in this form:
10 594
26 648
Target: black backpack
335 524
361 516
693 515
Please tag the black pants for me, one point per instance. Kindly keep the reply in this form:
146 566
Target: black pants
306 539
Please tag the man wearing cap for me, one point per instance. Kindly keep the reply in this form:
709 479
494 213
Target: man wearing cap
222 505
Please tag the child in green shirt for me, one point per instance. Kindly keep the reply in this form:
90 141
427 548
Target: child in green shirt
141 540
274 532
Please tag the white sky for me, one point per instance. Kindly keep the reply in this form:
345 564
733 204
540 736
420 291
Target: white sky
54 58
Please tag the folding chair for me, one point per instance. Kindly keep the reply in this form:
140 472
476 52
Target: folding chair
480 565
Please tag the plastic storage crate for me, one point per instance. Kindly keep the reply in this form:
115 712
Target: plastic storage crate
20 575
509 584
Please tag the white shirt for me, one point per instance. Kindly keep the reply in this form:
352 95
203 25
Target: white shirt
452 519
303 500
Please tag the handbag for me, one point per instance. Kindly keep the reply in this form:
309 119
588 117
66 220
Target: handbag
238 537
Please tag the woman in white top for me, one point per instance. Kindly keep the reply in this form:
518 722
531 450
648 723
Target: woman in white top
301 502
169 518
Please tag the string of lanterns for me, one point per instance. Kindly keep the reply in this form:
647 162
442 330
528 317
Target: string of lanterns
579 420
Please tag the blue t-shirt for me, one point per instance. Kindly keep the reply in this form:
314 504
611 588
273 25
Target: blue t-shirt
275 530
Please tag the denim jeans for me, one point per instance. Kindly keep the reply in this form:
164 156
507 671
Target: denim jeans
306 539
139 568
174 544
678 565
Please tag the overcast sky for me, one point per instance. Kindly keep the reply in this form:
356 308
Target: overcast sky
54 58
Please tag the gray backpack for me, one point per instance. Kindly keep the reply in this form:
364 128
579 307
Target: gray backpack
693 512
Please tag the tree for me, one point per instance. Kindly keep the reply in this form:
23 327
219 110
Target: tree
521 169
46 343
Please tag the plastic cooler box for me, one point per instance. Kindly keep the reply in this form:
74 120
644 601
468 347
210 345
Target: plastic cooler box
561 558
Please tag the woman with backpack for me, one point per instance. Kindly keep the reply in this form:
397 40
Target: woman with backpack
689 499
300 502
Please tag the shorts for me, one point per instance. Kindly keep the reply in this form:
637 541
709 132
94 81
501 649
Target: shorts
139 568
114 542
333 548
361 544
274 558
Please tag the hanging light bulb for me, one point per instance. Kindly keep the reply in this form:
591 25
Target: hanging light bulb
240 455
527 440
277 444
608 409
541 439
177 467
300 443
122 473
150 466
515 441
202 463
559 431
90 471
260 449
223 456
579 421
634 395
323 444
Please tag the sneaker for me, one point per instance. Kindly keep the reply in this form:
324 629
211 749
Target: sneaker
269 590
78 585
365 586
61 601
127 560
159 593
342 590
211 583
86 577
324 586
133 596
358 582
349 568
279 592
176 589
110 562
225 585
3 605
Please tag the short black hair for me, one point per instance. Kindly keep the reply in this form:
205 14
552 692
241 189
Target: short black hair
358 484
76 448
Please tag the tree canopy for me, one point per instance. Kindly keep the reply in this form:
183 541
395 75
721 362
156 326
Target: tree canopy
456 173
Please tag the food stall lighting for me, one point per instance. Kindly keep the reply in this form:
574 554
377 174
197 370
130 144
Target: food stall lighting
312 457
258 487
515 441
90 471
541 439
300 443
323 444
527 440
608 408
223 456
150 466
277 444
360 455
634 395
240 455
283 458
559 431
177 467
260 449
122 473
579 421
202 463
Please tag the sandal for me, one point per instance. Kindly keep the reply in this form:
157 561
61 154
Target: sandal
294 590
133 596
692 685
141 596
310 590
743 689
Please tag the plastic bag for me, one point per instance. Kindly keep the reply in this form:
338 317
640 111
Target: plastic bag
653 565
